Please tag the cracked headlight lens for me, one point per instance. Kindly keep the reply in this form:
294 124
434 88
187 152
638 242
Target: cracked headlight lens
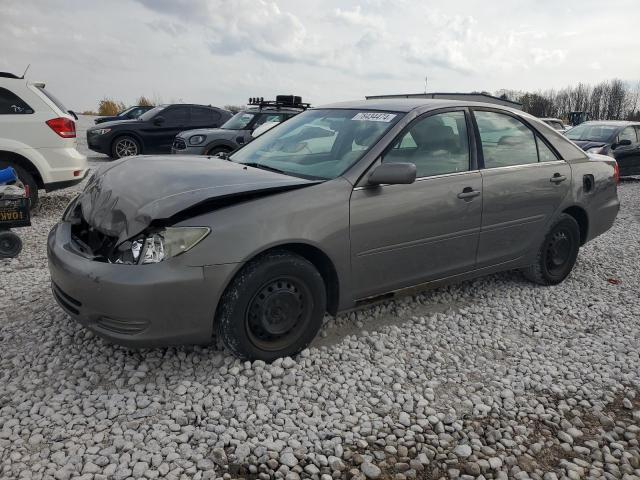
170 242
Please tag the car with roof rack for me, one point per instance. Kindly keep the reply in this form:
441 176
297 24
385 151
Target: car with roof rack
38 137
241 128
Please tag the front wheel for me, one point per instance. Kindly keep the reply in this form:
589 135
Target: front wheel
125 146
273 308
557 254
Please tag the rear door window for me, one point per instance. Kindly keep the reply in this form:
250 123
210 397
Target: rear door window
11 104
506 141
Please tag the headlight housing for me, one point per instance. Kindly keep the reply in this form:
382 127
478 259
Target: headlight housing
101 131
196 139
161 245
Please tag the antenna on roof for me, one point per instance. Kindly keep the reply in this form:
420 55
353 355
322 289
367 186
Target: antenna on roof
426 79
25 71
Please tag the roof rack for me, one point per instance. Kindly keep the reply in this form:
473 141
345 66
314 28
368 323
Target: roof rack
281 101
8 75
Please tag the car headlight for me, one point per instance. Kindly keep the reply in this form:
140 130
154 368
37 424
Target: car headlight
196 140
596 149
167 243
101 131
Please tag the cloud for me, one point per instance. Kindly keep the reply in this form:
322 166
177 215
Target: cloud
356 18
550 58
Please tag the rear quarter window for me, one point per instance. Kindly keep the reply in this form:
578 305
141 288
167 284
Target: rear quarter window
53 99
567 149
11 104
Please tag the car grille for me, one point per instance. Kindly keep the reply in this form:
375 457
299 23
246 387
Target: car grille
123 327
179 144
66 301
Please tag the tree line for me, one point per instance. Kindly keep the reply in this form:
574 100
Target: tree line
607 100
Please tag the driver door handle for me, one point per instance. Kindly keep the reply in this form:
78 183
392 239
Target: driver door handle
468 192
557 178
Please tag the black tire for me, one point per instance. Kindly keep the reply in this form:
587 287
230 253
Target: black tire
273 307
557 254
10 244
125 146
27 179
213 151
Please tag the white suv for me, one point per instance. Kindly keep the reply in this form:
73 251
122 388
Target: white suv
38 137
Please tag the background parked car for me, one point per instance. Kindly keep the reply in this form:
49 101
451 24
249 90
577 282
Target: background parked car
618 139
130 113
153 131
556 124
238 130
37 137
334 207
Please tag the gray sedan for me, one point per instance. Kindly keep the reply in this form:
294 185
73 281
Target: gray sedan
339 206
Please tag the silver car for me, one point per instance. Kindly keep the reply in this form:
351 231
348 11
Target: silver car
339 206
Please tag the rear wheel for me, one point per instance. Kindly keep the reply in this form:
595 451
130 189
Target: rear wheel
557 254
125 146
273 308
27 180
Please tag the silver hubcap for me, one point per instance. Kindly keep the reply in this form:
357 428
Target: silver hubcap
126 148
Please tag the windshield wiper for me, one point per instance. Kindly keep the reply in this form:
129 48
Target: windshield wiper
265 167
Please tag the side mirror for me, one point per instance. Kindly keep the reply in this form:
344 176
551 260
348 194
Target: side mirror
393 174
158 120
622 143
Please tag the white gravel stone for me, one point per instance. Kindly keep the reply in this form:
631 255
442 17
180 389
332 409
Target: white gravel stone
451 378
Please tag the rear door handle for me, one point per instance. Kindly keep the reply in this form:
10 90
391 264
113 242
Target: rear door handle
557 178
468 192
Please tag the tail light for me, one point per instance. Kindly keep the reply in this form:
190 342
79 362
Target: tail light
616 172
64 127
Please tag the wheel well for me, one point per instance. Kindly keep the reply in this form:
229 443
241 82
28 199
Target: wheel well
324 265
24 163
224 146
581 217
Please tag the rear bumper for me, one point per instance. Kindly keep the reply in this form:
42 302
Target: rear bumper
50 187
136 305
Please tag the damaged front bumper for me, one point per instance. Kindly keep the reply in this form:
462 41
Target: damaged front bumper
161 304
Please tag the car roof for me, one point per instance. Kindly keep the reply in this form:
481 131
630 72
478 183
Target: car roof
273 109
619 123
409 104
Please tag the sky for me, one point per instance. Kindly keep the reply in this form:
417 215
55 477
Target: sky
221 52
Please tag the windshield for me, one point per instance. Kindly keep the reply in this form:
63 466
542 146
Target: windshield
149 114
317 144
124 112
239 121
591 132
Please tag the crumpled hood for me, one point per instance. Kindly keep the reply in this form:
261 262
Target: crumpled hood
209 133
587 144
123 198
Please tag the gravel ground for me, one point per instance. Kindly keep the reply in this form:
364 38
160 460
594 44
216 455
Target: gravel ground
494 378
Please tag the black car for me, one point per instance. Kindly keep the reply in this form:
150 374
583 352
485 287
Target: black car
153 131
130 113
239 129
618 139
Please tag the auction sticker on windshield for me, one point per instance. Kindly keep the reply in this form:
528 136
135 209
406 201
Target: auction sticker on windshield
374 117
